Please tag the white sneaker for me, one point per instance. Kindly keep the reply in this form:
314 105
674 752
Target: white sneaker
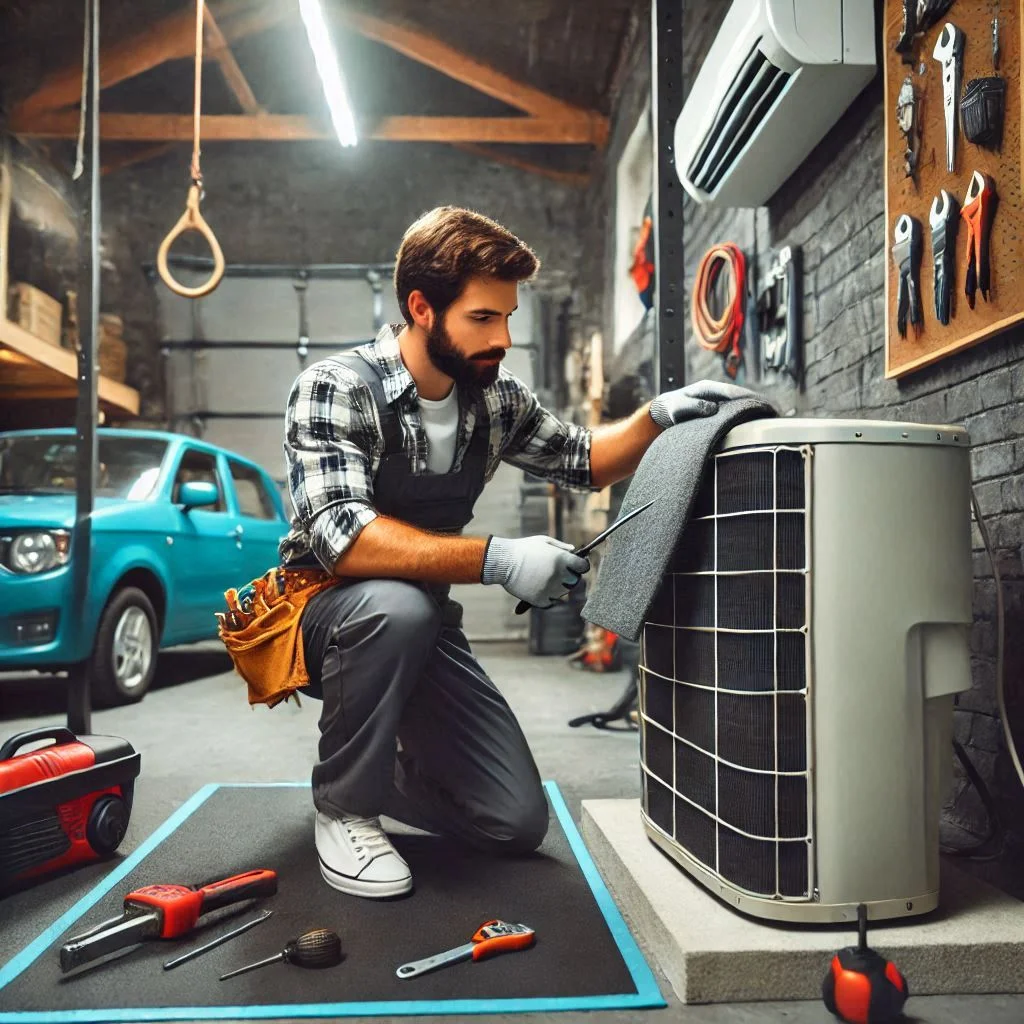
356 857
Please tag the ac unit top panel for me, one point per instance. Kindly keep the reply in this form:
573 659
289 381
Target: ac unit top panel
793 431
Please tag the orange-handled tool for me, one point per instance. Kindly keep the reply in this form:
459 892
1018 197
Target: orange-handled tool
163 912
978 211
491 938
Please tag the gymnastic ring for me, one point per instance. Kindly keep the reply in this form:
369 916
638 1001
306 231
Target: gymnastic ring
191 220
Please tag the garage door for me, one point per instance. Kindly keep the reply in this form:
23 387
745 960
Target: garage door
232 357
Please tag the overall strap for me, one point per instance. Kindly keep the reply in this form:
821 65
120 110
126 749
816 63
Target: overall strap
390 427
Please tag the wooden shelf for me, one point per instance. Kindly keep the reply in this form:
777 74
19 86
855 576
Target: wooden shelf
33 370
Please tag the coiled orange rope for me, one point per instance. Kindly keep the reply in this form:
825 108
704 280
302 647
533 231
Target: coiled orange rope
721 334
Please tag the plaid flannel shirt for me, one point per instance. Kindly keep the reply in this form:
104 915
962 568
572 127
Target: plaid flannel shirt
333 445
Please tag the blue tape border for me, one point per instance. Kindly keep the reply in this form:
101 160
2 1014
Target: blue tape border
647 996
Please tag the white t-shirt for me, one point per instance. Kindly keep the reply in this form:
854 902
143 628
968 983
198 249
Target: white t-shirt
441 423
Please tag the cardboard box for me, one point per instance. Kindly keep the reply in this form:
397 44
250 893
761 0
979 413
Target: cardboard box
36 312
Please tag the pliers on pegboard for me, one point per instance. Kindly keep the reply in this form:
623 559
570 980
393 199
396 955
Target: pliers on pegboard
978 210
906 253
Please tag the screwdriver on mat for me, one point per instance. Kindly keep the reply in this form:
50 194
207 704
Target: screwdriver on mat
316 948
214 943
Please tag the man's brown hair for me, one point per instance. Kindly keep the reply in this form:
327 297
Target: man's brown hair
446 247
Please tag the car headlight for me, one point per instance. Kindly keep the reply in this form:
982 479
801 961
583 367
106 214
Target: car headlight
38 551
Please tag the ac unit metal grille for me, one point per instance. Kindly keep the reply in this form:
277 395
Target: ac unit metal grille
756 88
724 680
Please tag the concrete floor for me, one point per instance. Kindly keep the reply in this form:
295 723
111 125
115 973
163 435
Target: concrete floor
195 728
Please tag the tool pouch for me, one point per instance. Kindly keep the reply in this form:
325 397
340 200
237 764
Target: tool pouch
261 631
982 110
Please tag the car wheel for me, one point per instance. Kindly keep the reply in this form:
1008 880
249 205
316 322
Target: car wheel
124 656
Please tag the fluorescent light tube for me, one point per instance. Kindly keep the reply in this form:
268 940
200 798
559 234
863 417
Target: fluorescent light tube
326 61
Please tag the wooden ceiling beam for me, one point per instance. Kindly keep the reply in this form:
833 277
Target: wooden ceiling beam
492 129
426 49
216 45
577 179
171 38
294 128
239 20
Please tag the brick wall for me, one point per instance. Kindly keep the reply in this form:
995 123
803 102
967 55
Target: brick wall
833 207
43 234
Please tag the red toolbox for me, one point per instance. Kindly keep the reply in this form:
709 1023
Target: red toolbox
62 804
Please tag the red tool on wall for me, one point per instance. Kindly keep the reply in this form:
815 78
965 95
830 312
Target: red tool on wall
63 804
978 210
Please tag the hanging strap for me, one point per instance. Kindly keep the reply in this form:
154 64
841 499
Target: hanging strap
192 219
197 96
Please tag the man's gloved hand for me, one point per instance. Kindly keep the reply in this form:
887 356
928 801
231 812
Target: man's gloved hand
694 401
535 569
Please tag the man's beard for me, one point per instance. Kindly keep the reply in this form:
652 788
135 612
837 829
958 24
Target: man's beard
469 375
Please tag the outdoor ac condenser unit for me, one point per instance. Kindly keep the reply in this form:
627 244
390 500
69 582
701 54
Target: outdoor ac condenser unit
779 74
798 668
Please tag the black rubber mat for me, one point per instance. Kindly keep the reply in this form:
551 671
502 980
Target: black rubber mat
584 956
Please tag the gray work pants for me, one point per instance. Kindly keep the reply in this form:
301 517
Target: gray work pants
386 669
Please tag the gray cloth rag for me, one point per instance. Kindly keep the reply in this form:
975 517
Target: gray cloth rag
638 555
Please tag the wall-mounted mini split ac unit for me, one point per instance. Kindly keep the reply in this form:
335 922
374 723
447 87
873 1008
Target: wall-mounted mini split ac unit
798 667
779 74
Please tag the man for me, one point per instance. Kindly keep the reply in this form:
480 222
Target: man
388 448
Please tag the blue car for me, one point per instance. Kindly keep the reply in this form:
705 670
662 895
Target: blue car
176 523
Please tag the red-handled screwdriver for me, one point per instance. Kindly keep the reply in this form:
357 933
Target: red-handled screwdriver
163 912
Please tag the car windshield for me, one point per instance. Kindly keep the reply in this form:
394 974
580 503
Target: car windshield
127 468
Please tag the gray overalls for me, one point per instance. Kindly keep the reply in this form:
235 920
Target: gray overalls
389 660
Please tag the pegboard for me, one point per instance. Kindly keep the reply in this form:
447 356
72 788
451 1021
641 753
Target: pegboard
932 340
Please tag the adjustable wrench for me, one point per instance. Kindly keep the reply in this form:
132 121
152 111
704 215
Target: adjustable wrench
906 253
491 937
978 210
949 52
944 220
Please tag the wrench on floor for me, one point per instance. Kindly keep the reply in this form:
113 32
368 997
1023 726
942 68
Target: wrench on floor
491 937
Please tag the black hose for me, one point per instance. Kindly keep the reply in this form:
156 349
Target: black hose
995 829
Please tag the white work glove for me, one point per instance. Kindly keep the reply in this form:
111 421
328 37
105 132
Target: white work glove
537 570
694 401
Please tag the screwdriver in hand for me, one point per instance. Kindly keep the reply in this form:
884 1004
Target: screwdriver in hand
316 948
524 606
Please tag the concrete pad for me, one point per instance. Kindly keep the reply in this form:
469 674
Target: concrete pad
974 942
